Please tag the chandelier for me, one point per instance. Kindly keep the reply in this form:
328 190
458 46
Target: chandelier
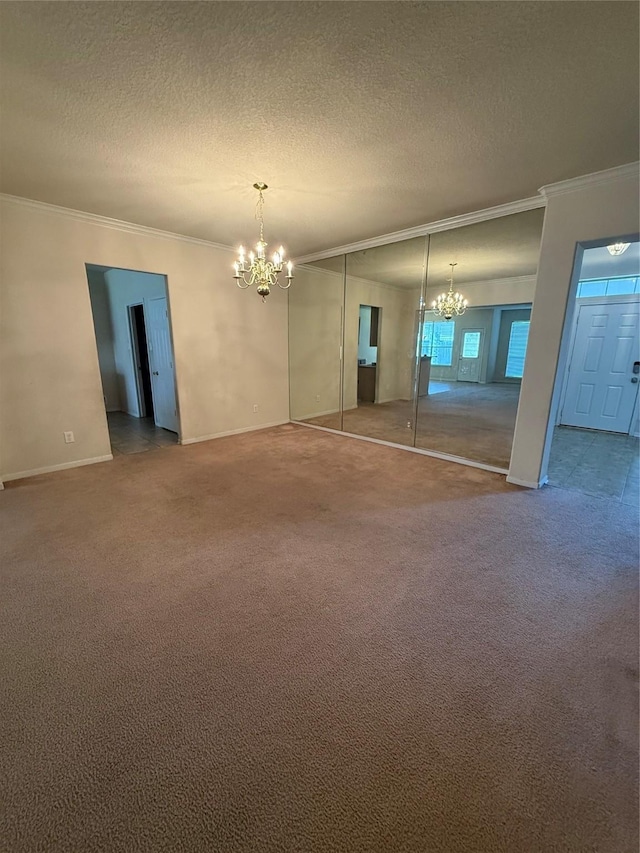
260 271
450 304
618 248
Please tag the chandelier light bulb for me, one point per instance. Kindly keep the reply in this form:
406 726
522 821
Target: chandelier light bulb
450 304
261 272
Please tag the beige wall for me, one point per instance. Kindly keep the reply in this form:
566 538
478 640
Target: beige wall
603 208
230 348
315 338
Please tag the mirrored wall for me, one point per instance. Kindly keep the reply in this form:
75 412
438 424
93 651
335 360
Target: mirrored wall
369 356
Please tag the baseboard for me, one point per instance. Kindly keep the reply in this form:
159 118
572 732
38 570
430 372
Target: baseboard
317 415
392 400
48 469
231 432
444 457
527 484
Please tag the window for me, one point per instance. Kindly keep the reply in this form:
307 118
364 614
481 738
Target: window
471 344
608 287
517 349
437 341
622 286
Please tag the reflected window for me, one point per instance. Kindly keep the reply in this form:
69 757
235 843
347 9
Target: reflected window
471 344
517 352
437 342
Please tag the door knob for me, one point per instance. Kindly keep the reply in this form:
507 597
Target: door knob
155 373
634 379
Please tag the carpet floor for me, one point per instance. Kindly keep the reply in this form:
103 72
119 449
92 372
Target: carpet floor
468 420
295 641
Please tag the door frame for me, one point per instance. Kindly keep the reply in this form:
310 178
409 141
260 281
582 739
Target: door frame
135 353
628 299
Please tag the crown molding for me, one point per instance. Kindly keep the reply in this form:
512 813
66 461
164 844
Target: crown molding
106 222
430 228
618 173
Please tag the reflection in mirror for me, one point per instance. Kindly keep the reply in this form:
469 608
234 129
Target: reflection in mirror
474 363
382 301
315 339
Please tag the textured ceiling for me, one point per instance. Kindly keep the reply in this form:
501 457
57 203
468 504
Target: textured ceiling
364 118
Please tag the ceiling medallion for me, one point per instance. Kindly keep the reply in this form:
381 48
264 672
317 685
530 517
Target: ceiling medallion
260 271
450 304
618 248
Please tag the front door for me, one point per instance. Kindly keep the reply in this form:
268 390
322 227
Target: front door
470 355
601 386
161 364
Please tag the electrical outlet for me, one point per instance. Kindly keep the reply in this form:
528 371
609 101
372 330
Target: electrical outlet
255 407
317 398
68 438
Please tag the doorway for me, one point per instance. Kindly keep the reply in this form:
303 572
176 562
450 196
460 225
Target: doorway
141 359
595 448
135 354
369 319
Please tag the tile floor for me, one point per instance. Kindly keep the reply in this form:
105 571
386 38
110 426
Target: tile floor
136 435
603 464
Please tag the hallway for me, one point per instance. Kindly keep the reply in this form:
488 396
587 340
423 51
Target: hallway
136 435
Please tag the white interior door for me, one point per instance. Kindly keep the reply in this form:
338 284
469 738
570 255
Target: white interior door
601 386
161 363
470 355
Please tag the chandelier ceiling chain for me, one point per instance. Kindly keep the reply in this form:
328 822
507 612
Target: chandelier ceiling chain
260 271
450 304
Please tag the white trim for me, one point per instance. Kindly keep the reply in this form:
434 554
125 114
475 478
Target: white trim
430 228
48 469
526 483
459 460
317 415
582 182
231 432
106 222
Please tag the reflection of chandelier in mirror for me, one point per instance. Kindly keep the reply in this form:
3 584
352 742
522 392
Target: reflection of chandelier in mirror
260 271
450 304
618 248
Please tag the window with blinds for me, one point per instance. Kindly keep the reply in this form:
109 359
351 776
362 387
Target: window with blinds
517 351
437 341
